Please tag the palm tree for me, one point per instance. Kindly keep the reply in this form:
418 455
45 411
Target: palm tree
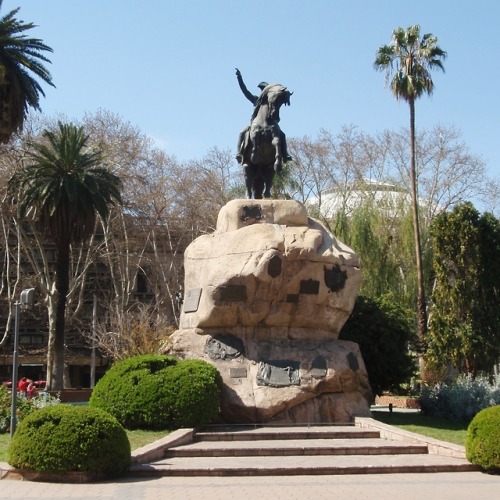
19 57
411 58
64 188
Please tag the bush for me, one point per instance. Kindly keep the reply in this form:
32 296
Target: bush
159 392
23 408
383 330
64 438
483 439
461 399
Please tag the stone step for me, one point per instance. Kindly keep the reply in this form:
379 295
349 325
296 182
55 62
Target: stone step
287 447
301 465
369 447
253 433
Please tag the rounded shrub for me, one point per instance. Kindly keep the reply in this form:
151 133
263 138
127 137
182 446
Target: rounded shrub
159 392
65 438
482 445
192 393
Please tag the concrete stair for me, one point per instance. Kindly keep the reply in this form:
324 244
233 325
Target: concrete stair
368 447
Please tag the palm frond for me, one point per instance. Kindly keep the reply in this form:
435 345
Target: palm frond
64 186
409 59
22 61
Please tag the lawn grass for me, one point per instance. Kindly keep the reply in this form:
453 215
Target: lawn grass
137 438
434 427
4 443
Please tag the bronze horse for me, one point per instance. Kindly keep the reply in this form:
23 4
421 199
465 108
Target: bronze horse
263 143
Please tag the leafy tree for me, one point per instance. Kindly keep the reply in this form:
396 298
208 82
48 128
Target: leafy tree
372 236
464 323
63 188
384 332
20 56
413 58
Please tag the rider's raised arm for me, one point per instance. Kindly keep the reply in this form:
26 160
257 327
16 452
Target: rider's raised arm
252 98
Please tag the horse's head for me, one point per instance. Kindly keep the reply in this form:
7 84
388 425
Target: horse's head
275 95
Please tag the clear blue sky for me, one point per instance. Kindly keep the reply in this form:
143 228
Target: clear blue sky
167 66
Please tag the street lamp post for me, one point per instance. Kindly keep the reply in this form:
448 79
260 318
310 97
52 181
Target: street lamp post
26 301
92 352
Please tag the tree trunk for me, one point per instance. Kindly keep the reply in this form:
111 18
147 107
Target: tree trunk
62 286
421 303
51 309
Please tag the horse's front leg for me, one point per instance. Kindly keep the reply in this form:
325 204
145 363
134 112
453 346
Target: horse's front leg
278 158
248 180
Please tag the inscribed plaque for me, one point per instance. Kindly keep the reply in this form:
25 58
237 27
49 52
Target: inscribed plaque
335 278
309 287
274 266
223 347
238 372
192 300
353 361
251 212
278 373
233 293
318 367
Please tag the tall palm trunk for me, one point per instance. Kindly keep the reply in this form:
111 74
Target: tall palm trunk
421 305
62 286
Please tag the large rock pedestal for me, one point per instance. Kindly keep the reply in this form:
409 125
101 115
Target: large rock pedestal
265 298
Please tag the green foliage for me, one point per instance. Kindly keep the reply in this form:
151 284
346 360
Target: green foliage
464 321
193 393
65 186
461 399
159 392
22 61
384 332
23 407
137 439
483 439
66 438
381 234
409 59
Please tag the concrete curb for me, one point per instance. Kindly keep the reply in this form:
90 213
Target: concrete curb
435 446
156 450
8 472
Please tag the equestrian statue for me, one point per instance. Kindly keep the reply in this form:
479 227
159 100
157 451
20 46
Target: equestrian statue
262 148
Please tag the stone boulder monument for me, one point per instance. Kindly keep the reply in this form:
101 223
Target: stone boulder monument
266 296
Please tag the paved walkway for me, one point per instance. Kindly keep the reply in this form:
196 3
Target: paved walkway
439 486
435 486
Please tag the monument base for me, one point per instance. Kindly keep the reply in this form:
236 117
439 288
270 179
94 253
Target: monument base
266 296
300 381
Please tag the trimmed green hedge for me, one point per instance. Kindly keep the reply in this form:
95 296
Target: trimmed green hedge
483 439
159 392
65 438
